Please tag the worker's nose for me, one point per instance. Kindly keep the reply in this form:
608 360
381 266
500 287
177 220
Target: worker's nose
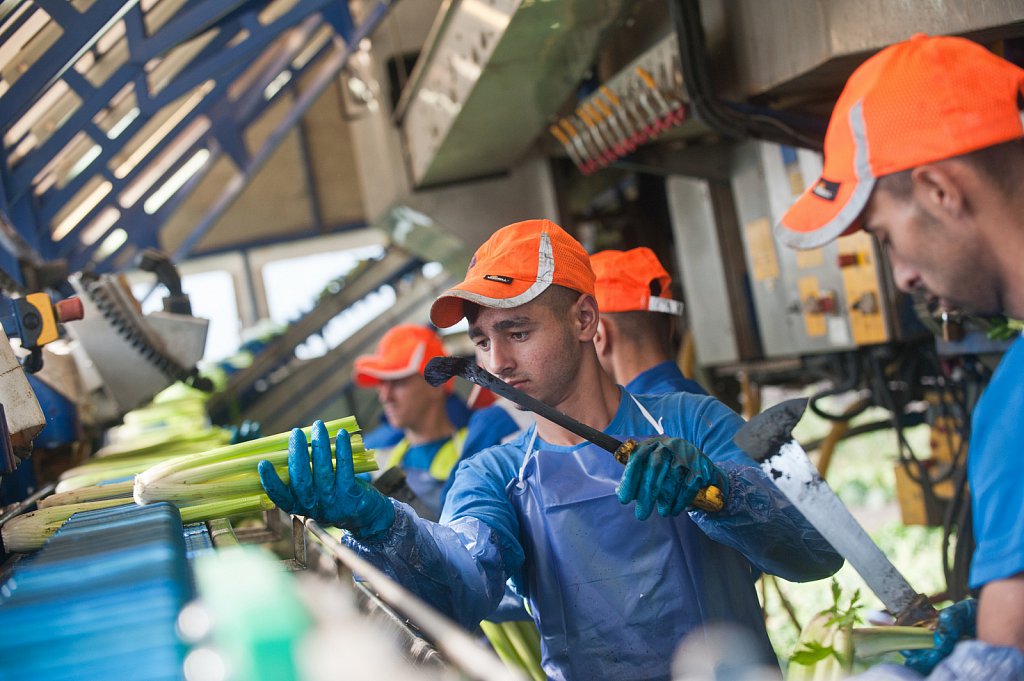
496 359
907 278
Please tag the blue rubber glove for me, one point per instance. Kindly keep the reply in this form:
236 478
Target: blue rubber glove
327 493
667 472
956 622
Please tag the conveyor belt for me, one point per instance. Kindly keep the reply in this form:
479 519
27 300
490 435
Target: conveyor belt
100 600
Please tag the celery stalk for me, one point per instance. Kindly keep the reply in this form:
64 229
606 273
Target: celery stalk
263 445
28 532
115 490
872 641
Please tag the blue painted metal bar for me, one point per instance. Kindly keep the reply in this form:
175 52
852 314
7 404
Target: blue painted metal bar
81 31
12 28
188 23
326 75
238 116
339 17
50 203
61 12
222 115
241 53
143 228
95 99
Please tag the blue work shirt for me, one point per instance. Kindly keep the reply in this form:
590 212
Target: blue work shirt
995 469
460 565
663 378
387 435
487 427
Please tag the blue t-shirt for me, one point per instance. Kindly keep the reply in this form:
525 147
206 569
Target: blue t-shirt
386 435
663 378
995 470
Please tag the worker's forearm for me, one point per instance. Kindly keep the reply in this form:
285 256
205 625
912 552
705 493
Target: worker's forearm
455 568
759 522
1001 612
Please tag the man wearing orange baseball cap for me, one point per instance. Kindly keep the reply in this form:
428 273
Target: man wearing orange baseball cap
612 591
634 334
925 151
430 444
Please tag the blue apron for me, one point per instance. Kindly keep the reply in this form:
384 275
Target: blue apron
613 596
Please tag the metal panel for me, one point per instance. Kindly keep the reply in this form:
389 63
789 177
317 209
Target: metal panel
701 264
821 300
789 47
493 75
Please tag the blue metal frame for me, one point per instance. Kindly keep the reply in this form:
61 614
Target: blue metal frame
327 73
218 61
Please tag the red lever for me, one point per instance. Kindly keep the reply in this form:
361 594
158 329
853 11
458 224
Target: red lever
69 309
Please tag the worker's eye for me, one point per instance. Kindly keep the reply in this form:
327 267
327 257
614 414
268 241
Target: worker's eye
482 343
518 335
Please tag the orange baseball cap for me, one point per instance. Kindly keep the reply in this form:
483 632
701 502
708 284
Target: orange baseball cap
632 281
915 102
513 267
403 351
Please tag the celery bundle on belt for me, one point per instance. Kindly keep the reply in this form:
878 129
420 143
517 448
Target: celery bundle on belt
126 459
217 483
228 472
30 531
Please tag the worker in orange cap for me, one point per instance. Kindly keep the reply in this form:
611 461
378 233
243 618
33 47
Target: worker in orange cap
634 334
430 444
925 151
612 586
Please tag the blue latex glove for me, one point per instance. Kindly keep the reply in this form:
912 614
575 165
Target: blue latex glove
667 472
327 494
956 622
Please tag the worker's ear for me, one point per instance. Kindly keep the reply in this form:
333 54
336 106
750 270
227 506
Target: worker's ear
939 190
603 337
586 317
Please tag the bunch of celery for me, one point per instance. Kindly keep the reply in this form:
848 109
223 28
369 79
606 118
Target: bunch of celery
230 471
123 460
216 483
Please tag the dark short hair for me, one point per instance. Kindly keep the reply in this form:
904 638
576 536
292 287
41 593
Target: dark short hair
559 299
644 327
1002 163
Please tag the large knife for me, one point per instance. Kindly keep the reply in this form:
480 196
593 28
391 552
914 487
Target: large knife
768 439
440 370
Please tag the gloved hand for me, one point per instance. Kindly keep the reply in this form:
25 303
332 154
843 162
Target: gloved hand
330 494
667 472
956 622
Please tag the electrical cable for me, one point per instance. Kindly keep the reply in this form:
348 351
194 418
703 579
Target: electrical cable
851 378
693 61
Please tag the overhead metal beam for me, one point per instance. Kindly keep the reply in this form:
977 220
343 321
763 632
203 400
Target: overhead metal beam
226 120
81 30
324 77
145 227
